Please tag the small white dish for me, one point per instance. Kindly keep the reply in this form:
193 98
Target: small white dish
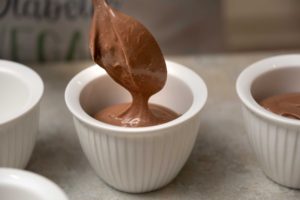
137 159
23 185
275 139
21 90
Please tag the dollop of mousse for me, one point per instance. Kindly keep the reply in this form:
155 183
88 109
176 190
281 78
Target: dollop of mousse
132 57
111 115
286 105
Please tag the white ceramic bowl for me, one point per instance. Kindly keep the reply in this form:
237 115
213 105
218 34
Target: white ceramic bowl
21 90
275 139
22 185
137 159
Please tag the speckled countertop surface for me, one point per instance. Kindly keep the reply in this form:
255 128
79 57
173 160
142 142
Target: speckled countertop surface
221 165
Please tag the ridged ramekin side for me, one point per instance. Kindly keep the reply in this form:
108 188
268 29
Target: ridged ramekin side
17 139
277 148
138 163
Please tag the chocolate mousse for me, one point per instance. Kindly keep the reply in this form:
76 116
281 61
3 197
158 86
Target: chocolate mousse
286 105
131 56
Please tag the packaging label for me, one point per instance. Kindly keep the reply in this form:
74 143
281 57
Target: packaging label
44 30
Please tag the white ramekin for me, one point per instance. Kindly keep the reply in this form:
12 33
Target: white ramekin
275 139
21 90
23 185
136 159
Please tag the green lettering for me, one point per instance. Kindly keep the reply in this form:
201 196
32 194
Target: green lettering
14 45
42 39
2 40
74 45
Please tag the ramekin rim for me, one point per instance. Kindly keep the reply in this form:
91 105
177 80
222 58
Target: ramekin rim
197 104
253 71
37 177
35 78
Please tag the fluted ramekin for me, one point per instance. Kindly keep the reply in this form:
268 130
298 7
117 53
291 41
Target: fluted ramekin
136 159
275 139
21 90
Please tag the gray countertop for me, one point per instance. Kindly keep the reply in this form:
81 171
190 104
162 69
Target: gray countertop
221 165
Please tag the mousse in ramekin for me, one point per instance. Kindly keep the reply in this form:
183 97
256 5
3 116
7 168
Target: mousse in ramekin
274 138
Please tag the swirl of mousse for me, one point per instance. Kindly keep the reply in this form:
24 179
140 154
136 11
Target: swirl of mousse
132 57
286 105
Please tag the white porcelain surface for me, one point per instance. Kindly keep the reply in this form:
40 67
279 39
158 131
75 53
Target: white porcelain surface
137 159
275 139
23 185
21 90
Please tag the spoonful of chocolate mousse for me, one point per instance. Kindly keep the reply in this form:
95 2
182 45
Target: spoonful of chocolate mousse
132 57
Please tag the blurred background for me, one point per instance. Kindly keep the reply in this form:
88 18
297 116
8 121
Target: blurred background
47 30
